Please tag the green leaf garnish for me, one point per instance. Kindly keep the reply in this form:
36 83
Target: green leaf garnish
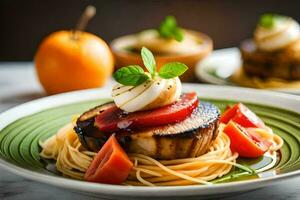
134 75
148 60
269 20
178 34
172 70
131 75
168 29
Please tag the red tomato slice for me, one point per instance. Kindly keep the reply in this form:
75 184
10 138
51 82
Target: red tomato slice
242 142
242 115
228 114
114 119
111 164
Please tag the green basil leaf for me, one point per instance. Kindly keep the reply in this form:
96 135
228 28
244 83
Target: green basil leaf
131 75
168 29
178 34
165 32
269 20
167 26
170 21
148 60
171 70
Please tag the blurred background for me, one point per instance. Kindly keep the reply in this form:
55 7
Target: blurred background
25 23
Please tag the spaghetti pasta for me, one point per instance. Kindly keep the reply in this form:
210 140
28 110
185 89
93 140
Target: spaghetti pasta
64 147
73 160
241 78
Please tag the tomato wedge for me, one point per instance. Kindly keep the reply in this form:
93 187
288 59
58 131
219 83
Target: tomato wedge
242 115
244 143
111 164
114 119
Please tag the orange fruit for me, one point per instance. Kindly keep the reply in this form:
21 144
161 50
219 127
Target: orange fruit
64 63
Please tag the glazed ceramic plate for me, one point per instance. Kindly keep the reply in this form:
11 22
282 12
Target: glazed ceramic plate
221 64
22 127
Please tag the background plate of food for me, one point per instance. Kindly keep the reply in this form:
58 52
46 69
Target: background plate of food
169 42
223 66
24 130
268 61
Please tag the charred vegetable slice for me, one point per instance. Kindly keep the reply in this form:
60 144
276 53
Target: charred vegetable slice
188 138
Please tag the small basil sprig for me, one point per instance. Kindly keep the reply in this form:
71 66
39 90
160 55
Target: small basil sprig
134 75
171 70
168 29
148 60
269 20
131 75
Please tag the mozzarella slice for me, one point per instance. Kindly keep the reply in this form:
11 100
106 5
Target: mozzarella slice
149 95
146 97
178 89
122 96
119 89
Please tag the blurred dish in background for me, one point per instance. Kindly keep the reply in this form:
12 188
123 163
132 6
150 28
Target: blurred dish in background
169 43
73 60
221 65
269 61
272 58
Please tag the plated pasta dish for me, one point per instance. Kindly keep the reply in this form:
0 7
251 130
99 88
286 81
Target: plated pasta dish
153 134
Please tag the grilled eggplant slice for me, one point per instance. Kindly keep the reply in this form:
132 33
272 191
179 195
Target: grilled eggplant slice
87 132
189 138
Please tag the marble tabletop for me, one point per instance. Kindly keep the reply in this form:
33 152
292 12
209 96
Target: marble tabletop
18 84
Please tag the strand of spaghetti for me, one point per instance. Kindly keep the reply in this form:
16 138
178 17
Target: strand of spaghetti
189 163
176 161
50 148
172 177
71 162
210 164
139 177
78 145
197 170
79 157
168 178
177 167
279 142
83 161
175 180
164 174
174 172
89 153
149 172
61 158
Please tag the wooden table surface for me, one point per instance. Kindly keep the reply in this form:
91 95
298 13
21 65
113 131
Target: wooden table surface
18 84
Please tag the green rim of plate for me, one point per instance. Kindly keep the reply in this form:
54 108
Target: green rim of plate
19 141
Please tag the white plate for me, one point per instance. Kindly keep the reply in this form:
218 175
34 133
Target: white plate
286 101
221 64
